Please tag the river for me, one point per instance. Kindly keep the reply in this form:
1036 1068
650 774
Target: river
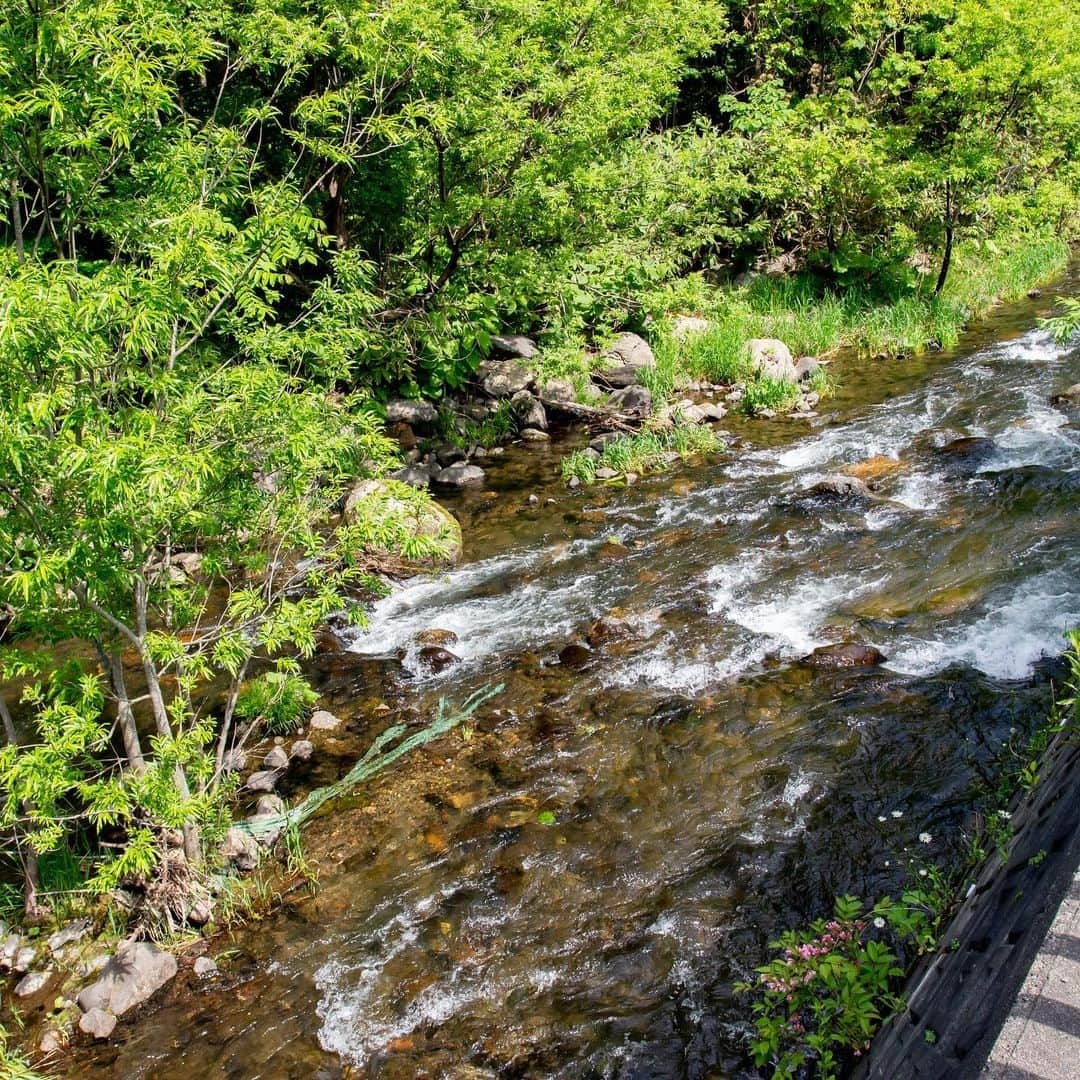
572 887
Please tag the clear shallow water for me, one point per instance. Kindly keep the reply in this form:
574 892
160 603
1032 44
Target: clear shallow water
706 788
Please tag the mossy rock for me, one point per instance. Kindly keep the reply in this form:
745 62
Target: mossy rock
420 515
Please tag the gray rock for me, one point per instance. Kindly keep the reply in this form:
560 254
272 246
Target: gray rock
263 780
460 475
74 931
841 487
601 440
560 391
52 1041
270 804
450 454
805 366
200 912
516 345
530 411
632 399
412 475
624 362
23 959
98 1023
712 410
692 414
413 413
267 827
239 848
771 358
605 474
9 950
533 435
276 759
136 972
33 983
505 379
301 750
684 326
234 761
322 720
205 967
188 561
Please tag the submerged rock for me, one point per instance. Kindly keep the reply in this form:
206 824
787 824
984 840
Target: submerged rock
321 720
301 750
575 655
840 487
34 983
607 628
843 655
205 967
436 658
136 972
97 1023
1069 396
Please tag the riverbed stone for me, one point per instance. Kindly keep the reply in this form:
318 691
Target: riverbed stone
24 958
557 391
435 636
34 983
1068 396
137 970
301 750
575 655
269 804
841 487
262 781
436 658
74 931
843 655
239 848
632 399
529 410
205 967
98 1023
535 435
431 521
9 950
805 366
459 475
277 758
321 720
771 358
414 475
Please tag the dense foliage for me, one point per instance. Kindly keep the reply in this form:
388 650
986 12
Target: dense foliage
229 230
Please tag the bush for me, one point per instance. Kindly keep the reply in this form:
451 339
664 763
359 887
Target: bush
280 701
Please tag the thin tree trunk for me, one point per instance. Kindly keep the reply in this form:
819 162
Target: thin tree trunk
946 259
125 715
17 221
32 907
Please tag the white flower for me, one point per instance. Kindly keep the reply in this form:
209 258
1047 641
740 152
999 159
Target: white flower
887 863
925 838
879 922
882 817
1004 814
898 813
922 873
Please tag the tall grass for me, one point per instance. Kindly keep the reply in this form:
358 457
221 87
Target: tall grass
642 453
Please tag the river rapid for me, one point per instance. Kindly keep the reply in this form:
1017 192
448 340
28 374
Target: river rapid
572 886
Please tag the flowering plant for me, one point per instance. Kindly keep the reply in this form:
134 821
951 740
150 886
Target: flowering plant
826 992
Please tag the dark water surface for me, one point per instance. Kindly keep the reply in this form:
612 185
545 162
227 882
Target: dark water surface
706 788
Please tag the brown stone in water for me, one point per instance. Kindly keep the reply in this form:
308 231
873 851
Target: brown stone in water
437 658
846 654
606 629
873 468
575 655
436 637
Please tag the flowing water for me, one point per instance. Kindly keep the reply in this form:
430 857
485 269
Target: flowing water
573 887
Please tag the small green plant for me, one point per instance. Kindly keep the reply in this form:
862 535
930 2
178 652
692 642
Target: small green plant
765 393
644 452
280 701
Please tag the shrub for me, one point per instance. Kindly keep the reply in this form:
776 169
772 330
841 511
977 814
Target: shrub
280 701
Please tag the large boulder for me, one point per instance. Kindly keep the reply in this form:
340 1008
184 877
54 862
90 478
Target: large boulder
771 358
624 362
515 345
413 413
847 654
423 518
529 411
136 972
557 391
505 379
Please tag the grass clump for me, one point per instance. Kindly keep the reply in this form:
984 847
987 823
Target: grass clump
280 701
765 393
642 453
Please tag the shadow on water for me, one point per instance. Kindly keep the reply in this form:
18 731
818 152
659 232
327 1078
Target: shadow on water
572 887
